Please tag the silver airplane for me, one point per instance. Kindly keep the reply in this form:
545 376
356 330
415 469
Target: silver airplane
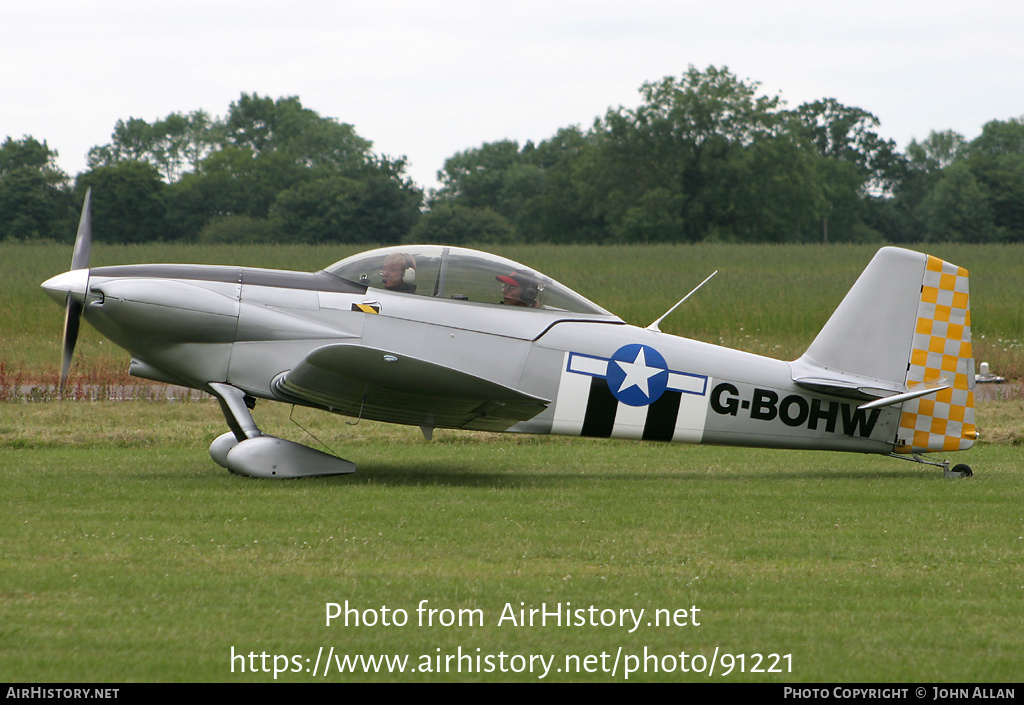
448 337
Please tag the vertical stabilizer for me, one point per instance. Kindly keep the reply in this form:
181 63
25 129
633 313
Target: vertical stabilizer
904 327
869 334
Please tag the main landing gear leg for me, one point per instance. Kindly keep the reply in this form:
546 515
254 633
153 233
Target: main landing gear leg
245 450
959 470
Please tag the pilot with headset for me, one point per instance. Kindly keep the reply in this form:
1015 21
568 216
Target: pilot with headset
519 289
399 273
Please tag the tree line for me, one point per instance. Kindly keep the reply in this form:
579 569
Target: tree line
704 156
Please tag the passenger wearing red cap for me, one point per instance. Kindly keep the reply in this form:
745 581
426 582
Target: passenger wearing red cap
519 289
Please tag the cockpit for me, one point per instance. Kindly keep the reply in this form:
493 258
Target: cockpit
460 274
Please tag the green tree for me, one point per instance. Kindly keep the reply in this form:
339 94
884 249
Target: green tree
957 209
686 161
128 203
175 145
857 163
221 170
236 181
847 134
996 158
30 206
477 177
498 176
284 126
781 191
925 163
561 212
346 210
34 202
936 152
450 223
29 153
657 217
966 191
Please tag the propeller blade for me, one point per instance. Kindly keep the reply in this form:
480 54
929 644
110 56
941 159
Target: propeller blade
83 240
72 314
74 308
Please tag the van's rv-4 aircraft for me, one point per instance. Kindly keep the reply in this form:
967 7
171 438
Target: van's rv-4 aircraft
446 337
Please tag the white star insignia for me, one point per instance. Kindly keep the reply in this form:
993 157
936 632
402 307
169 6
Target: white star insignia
637 374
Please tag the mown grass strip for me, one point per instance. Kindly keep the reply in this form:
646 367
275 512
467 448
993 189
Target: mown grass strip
127 555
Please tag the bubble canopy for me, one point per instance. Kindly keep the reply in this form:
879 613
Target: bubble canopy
461 275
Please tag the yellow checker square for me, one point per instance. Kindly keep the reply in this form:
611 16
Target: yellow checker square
938 426
951 443
960 300
929 294
942 313
947 282
924 326
949 363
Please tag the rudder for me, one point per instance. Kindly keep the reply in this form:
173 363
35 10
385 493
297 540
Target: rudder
941 349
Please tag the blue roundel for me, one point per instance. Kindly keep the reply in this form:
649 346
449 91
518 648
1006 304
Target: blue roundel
637 374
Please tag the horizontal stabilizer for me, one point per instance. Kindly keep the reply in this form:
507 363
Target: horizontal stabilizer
840 384
900 398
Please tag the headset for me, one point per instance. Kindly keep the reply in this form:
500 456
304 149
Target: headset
529 295
408 270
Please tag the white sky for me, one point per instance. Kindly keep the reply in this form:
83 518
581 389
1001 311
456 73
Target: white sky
429 78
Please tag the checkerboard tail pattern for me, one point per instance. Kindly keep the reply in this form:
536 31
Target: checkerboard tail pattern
941 353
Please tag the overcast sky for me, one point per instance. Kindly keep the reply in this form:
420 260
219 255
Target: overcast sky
429 78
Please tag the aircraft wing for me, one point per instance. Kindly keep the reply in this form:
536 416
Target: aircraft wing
366 382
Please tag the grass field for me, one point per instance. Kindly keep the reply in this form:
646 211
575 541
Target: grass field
127 555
